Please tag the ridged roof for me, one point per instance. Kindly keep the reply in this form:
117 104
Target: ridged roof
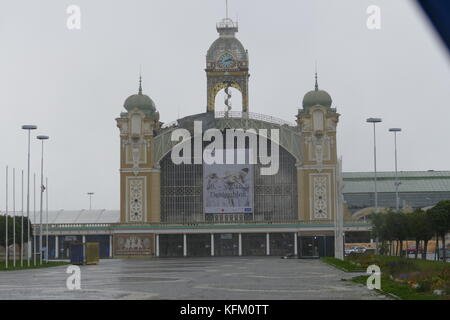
77 216
411 181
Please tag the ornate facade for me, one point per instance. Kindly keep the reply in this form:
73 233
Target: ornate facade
155 191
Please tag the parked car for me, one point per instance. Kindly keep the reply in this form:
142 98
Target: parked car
360 249
412 249
355 250
348 252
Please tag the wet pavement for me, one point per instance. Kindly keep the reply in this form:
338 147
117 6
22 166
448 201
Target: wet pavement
189 278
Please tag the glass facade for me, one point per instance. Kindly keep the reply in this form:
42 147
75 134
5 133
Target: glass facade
275 196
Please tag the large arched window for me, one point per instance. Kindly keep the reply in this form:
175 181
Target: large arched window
275 196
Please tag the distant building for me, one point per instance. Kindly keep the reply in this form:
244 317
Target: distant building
418 189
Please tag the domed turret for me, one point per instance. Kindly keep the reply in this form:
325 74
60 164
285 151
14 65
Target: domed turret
227 43
142 102
317 97
227 65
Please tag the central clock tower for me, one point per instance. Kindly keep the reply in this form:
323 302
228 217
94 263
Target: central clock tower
227 64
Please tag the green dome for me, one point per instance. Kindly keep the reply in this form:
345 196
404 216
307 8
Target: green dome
142 102
317 97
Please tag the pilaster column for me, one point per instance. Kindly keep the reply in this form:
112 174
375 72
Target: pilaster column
110 246
157 244
240 244
155 196
295 244
56 247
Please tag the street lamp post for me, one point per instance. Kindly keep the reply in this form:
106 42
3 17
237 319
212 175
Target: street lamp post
397 183
6 221
29 128
46 219
14 217
90 194
21 226
375 121
42 138
34 218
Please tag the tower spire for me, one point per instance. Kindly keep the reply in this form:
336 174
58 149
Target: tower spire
140 79
317 85
226 7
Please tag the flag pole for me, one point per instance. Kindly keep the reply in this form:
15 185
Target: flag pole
6 222
14 217
46 214
21 230
34 218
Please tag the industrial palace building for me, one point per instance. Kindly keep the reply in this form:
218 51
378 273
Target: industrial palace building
196 209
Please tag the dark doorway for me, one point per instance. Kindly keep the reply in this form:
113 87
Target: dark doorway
281 244
254 244
198 245
316 246
226 244
309 247
170 245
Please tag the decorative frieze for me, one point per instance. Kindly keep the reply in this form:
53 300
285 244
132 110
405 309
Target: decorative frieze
320 201
133 244
136 199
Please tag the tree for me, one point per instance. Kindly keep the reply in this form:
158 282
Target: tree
439 217
380 229
18 227
401 230
420 229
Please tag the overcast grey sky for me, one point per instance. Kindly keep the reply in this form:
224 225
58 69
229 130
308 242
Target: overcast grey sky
72 84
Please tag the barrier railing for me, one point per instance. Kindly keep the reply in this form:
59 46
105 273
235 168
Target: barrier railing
253 115
192 224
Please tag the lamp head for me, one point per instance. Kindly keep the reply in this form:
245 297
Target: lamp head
42 137
395 129
29 127
373 120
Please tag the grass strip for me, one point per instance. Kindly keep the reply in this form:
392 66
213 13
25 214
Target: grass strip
343 265
32 266
400 290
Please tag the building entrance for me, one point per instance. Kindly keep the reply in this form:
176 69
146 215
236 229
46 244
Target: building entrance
309 247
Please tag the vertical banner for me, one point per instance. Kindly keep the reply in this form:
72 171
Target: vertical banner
228 188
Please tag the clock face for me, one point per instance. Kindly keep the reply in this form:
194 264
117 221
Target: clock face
226 61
